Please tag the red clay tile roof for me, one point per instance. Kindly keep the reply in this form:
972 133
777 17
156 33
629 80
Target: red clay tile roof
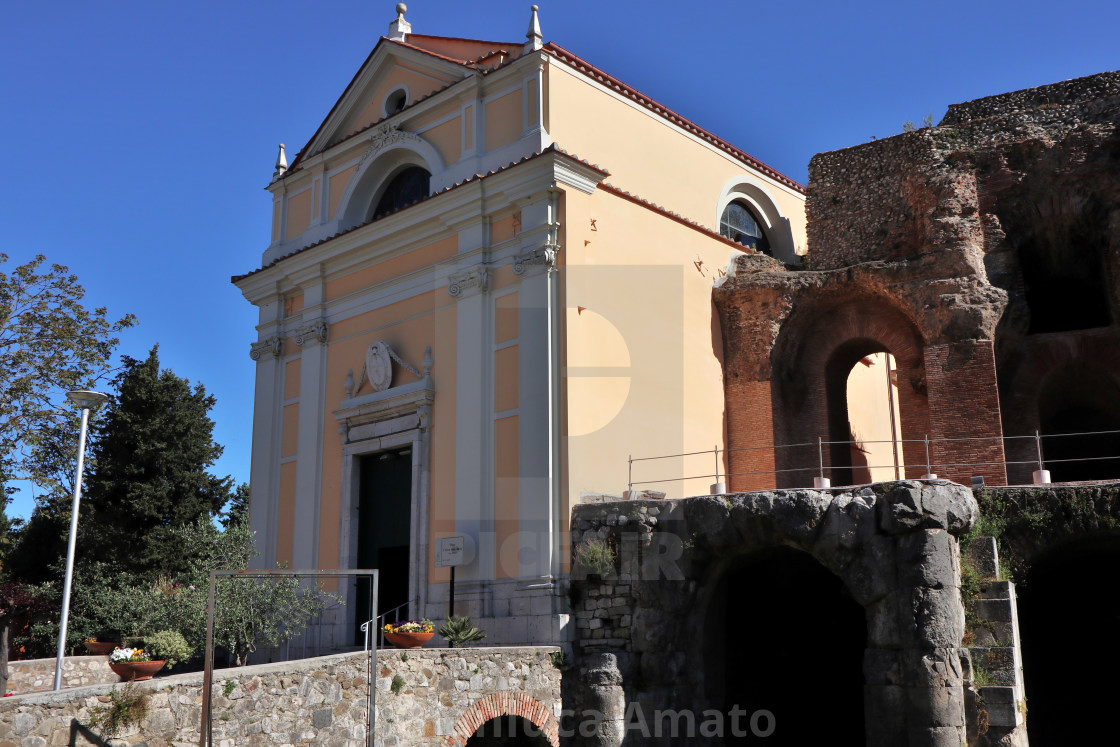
473 178
586 68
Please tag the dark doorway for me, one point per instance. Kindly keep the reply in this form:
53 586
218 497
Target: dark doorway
384 528
1083 402
508 730
785 636
1068 609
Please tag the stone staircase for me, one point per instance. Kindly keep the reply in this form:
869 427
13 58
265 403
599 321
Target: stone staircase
995 701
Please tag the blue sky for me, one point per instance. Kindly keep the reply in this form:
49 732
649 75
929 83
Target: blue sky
140 135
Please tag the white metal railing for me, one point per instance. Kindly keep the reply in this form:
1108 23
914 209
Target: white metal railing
1041 475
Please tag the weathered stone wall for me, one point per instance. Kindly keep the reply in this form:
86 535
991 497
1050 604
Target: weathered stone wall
990 243
34 675
443 695
893 545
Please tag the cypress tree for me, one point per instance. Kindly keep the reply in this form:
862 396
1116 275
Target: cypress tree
151 452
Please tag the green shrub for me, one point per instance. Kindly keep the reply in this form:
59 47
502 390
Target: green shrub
594 558
125 707
169 645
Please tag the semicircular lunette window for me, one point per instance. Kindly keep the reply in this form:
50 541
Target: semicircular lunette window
407 187
739 224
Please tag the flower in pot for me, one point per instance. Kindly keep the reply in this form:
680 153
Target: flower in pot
409 634
134 664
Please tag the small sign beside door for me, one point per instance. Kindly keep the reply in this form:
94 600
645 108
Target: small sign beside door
449 552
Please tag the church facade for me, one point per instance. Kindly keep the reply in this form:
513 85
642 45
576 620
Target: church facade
489 284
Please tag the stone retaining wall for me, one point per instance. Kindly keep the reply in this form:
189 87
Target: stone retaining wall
35 675
441 697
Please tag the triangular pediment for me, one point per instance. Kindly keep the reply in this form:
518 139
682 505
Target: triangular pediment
390 67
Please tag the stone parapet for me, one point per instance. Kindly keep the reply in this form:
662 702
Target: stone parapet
35 675
438 692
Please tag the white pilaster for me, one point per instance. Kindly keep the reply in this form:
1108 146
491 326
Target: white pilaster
474 498
265 466
311 336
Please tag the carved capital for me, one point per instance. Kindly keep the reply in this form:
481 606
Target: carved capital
476 279
542 258
312 334
270 346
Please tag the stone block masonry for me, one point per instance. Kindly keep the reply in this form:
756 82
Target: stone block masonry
35 675
641 628
441 697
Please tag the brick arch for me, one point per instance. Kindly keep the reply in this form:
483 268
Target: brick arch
505 703
812 353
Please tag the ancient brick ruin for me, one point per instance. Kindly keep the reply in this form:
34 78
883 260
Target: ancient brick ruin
983 254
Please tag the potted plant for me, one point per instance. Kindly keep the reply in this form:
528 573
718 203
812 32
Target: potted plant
169 646
409 634
134 664
102 644
459 632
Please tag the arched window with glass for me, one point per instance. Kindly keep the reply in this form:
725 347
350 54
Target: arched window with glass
740 224
407 187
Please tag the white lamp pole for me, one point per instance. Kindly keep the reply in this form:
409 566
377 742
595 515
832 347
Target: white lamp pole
86 401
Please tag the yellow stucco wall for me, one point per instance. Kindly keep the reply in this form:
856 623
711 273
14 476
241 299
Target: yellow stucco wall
503 120
299 213
643 373
648 156
872 394
419 85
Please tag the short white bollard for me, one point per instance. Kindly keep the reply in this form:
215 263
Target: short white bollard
930 476
820 483
1042 477
718 488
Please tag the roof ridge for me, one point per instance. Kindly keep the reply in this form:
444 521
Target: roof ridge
584 67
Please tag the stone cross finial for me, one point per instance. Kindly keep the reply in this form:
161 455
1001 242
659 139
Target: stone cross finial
399 29
281 163
534 34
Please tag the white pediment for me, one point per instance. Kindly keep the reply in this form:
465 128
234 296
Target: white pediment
389 70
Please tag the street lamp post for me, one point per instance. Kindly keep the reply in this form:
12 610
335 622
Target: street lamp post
86 401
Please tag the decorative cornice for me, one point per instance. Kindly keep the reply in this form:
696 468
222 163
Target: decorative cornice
474 278
383 137
312 334
271 345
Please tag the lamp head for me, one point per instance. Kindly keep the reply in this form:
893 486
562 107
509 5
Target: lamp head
85 399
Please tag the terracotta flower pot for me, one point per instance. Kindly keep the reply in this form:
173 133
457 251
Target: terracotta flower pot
101 648
136 670
408 640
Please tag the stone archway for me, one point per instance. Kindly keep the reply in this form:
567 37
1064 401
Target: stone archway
813 355
505 703
893 546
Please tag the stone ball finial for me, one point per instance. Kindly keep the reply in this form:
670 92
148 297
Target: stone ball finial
401 9
535 7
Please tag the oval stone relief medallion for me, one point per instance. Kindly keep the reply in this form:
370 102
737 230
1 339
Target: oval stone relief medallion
379 366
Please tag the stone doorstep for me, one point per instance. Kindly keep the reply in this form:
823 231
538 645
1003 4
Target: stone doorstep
1002 705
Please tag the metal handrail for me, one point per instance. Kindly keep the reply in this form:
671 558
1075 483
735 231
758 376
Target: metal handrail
820 467
383 618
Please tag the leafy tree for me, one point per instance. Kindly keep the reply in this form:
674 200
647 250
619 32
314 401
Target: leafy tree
49 343
16 600
151 450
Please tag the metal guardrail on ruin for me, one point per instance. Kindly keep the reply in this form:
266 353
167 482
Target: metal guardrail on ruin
1041 475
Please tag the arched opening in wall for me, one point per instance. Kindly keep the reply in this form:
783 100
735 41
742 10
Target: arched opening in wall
1068 609
508 731
406 187
740 224
1083 403
864 421
1061 248
783 635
